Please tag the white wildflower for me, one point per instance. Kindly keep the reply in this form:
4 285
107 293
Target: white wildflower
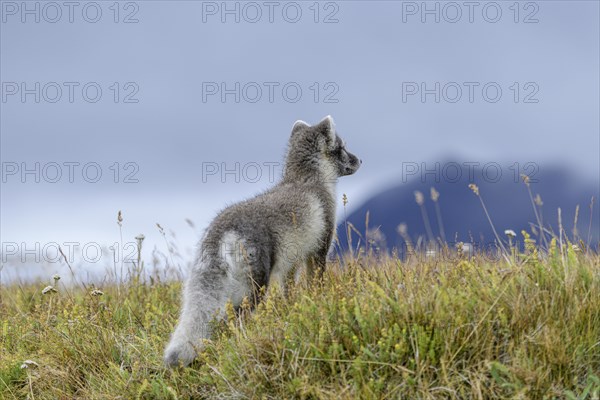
48 289
29 363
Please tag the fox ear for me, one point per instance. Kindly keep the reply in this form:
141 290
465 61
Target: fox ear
299 125
327 126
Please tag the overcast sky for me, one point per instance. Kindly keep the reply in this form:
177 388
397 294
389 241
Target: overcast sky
173 92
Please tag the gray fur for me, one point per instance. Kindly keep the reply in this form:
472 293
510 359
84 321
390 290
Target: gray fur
263 240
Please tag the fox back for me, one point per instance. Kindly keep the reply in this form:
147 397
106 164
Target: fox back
263 240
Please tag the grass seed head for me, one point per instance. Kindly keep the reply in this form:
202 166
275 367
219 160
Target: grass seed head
474 188
435 195
538 200
419 198
402 229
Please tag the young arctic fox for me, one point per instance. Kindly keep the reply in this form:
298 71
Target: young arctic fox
265 239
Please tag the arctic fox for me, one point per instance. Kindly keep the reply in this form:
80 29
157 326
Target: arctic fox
263 240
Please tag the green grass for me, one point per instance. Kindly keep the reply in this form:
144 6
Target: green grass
374 328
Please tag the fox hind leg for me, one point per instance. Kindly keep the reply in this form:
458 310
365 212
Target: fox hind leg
230 276
204 298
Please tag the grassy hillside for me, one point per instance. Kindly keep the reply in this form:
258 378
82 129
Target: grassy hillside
441 327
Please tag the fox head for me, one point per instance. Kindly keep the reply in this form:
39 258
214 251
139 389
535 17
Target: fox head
318 151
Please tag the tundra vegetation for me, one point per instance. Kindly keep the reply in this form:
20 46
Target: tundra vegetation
436 321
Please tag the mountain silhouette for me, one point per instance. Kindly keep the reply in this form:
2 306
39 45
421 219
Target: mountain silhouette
463 218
